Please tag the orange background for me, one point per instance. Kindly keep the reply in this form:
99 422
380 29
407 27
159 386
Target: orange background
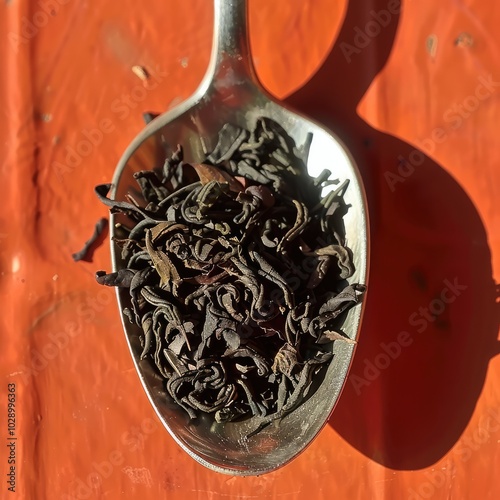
425 424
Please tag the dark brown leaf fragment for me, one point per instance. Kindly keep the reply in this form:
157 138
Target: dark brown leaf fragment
90 245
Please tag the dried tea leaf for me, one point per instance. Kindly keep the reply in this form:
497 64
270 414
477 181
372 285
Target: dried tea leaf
344 258
122 278
163 265
331 336
88 248
230 139
285 360
209 173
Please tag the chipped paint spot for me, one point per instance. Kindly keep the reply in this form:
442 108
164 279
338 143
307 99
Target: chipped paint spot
140 72
464 40
431 45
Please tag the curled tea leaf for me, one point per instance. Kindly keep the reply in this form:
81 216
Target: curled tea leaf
86 252
122 278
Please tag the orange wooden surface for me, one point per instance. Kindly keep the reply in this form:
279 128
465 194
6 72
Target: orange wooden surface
420 414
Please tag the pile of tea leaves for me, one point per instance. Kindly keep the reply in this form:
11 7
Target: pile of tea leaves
237 270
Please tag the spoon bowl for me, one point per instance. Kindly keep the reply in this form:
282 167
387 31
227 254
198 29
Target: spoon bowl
231 92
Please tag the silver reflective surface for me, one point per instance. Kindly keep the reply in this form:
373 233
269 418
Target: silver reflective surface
230 92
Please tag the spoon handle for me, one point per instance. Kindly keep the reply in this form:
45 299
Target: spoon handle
231 59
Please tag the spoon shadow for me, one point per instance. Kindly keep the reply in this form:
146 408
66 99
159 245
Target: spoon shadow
431 319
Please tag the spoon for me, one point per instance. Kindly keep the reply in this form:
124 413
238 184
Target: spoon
231 92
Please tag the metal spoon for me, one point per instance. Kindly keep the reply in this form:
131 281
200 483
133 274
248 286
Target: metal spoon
231 92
